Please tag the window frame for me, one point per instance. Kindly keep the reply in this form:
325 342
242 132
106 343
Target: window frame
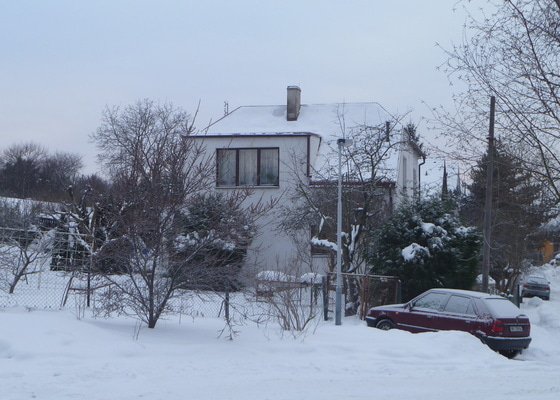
258 171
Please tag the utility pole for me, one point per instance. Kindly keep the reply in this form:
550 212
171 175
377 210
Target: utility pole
488 199
338 294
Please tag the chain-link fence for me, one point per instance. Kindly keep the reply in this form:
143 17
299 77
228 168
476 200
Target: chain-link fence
52 269
363 291
36 265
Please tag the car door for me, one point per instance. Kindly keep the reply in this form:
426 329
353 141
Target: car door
459 314
423 314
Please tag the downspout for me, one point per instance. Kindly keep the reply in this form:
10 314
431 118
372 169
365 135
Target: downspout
420 174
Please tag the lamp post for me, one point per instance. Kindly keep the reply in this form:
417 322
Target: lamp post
338 298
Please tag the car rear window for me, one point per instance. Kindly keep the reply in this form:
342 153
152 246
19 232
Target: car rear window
537 279
502 308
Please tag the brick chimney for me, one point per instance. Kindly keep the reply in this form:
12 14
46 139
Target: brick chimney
293 103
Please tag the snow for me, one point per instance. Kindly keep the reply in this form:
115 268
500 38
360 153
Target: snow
491 280
321 119
59 355
311 278
324 243
411 251
275 276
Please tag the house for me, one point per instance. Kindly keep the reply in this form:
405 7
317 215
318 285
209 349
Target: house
273 149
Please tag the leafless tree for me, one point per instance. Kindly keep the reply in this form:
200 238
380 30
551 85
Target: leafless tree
156 166
292 298
367 189
29 171
24 246
28 151
510 51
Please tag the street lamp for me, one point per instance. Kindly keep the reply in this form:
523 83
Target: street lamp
338 298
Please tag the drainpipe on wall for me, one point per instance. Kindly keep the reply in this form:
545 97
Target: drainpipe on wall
420 174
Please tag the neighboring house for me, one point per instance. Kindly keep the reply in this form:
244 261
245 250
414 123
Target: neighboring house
272 148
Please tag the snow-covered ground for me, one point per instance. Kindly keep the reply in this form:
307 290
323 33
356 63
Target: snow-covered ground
53 355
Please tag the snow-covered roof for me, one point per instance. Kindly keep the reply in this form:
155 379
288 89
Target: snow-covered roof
26 204
329 122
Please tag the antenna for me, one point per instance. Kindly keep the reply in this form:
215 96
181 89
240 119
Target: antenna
226 108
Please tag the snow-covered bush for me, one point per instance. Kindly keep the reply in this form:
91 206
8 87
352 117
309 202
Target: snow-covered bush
426 246
215 232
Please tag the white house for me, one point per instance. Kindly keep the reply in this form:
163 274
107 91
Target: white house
270 148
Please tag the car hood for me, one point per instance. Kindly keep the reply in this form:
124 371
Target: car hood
390 307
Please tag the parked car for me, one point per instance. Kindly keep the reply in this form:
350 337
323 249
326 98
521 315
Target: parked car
536 285
495 320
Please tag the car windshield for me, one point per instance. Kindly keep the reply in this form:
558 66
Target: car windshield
537 279
502 308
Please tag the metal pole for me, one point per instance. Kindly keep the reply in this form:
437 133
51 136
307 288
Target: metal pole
338 298
488 199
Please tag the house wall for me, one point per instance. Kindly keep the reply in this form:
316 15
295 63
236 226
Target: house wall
272 249
407 183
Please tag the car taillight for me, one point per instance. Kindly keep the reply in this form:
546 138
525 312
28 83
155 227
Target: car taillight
497 327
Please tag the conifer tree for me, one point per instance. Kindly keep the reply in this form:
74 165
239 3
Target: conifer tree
518 208
426 246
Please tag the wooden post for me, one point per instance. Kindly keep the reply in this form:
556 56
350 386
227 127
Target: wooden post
488 200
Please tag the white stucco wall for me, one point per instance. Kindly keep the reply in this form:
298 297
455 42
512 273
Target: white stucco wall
272 249
407 173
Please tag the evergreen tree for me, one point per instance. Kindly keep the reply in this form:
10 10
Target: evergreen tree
518 209
426 246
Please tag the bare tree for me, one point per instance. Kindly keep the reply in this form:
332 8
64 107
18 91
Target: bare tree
290 298
58 172
510 52
24 246
366 196
21 165
156 166
29 171
28 151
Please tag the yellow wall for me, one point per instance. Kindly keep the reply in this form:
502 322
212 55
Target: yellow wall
547 251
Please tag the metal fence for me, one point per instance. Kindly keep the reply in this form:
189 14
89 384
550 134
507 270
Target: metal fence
364 291
52 269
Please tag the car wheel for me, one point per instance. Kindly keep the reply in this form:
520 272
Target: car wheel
385 325
509 353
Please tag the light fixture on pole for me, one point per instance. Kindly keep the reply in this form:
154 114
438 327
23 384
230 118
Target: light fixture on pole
338 298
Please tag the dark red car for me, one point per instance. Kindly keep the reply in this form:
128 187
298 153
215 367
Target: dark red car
495 320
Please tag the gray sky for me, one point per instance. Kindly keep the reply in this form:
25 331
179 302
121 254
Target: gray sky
64 60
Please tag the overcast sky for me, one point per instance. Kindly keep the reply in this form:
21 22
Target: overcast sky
63 61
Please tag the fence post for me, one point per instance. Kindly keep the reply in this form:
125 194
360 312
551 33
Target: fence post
88 299
226 304
325 287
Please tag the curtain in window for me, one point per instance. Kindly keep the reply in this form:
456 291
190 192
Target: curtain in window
269 167
248 167
226 167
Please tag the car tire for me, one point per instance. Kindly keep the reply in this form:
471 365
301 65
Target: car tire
385 325
509 353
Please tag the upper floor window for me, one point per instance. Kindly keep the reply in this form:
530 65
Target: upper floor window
247 167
